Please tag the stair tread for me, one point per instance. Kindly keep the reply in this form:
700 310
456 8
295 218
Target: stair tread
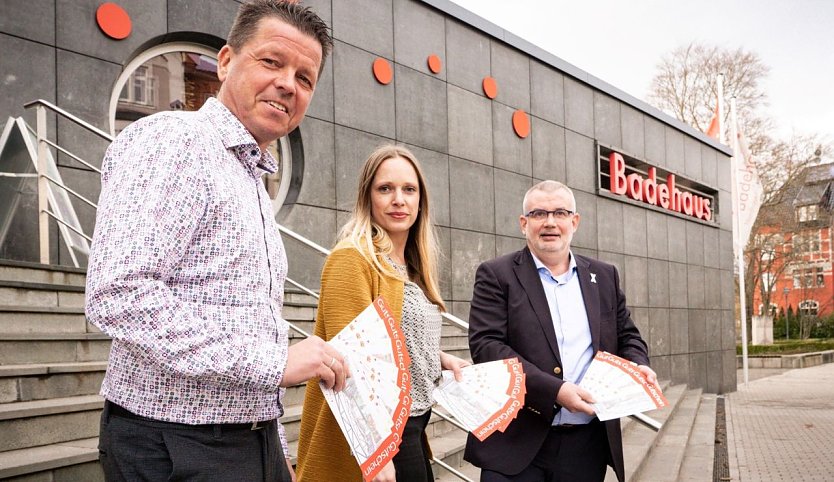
28 285
72 310
50 406
51 368
40 266
52 336
637 439
699 456
666 456
46 457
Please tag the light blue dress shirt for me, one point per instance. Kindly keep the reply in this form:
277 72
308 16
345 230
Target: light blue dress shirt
573 334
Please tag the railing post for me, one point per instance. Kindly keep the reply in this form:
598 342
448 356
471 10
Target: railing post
43 198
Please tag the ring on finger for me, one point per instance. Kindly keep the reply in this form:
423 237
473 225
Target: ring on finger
332 361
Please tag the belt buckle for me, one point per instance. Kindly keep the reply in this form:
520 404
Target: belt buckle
257 426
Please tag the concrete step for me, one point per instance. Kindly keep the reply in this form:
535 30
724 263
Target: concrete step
299 311
666 455
22 293
41 381
26 348
700 450
449 449
46 319
638 440
45 422
11 270
73 460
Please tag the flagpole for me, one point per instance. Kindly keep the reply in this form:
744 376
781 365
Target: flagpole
740 242
720 87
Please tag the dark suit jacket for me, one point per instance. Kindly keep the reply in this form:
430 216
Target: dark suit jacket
509 317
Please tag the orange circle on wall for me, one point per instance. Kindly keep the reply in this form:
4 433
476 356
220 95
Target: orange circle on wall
382 71
521 123
434 64
113 20
490 87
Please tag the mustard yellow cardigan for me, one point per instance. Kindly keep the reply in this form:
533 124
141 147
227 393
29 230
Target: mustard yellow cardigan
349 283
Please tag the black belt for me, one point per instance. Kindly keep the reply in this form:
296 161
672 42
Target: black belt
120 411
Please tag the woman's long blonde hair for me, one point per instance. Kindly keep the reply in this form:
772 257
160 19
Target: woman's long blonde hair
421 248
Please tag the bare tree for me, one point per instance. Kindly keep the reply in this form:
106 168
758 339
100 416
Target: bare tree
685 87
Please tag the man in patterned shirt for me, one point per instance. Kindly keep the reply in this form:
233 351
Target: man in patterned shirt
187 269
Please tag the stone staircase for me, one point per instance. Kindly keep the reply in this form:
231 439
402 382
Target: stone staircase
683 449
52 362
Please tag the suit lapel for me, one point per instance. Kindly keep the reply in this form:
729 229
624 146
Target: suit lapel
590 295
528 277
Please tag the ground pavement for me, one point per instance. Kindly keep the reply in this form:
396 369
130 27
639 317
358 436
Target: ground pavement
781 427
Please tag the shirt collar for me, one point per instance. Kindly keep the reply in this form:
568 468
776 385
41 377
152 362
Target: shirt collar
236 138
562 278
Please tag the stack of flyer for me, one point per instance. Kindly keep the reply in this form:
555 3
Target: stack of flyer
488 397
619 388
374 406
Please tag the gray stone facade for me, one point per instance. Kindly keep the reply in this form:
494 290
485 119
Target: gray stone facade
677 273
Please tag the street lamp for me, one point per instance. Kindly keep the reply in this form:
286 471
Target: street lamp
785 292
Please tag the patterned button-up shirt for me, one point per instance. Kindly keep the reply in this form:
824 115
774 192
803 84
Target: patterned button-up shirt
187 270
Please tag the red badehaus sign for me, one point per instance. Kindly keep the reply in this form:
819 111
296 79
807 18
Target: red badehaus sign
637 180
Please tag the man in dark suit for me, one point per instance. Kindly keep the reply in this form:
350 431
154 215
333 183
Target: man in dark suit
553 310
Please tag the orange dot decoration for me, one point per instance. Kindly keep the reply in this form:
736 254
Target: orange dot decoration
521 123
490 87
382 71
434 64
113 20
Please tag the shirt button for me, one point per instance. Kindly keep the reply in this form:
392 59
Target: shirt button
254 152
557 370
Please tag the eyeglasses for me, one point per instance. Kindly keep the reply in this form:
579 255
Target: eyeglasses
541 214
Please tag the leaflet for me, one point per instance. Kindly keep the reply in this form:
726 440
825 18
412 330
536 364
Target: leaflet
619 388
374 406
487 398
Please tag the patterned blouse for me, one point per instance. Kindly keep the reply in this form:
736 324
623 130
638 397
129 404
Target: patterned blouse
421 323
187 270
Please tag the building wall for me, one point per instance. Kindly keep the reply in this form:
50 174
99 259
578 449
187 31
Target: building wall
677 273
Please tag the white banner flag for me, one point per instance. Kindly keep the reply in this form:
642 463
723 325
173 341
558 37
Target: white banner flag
748 198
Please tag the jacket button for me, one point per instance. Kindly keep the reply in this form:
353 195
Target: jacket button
557 370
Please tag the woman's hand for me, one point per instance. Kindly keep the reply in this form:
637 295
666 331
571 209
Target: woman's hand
387 474
451 362
292 471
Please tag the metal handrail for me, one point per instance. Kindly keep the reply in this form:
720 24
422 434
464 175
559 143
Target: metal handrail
70 154
60 220
77 120
67 189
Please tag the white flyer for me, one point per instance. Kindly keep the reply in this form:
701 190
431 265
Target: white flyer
374 406
619 388
487 398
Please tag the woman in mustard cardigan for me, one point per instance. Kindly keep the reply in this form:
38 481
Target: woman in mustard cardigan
388 248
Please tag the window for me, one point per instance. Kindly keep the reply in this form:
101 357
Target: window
140 87
812 277
809 307
808 243
805 214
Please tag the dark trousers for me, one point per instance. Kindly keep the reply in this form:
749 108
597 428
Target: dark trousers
412 461
568 454
134 448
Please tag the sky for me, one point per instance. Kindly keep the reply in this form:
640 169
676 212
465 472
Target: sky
621 42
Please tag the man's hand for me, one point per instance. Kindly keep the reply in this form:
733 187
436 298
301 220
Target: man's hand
647 372
312 358
387 474
451 362
575 399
